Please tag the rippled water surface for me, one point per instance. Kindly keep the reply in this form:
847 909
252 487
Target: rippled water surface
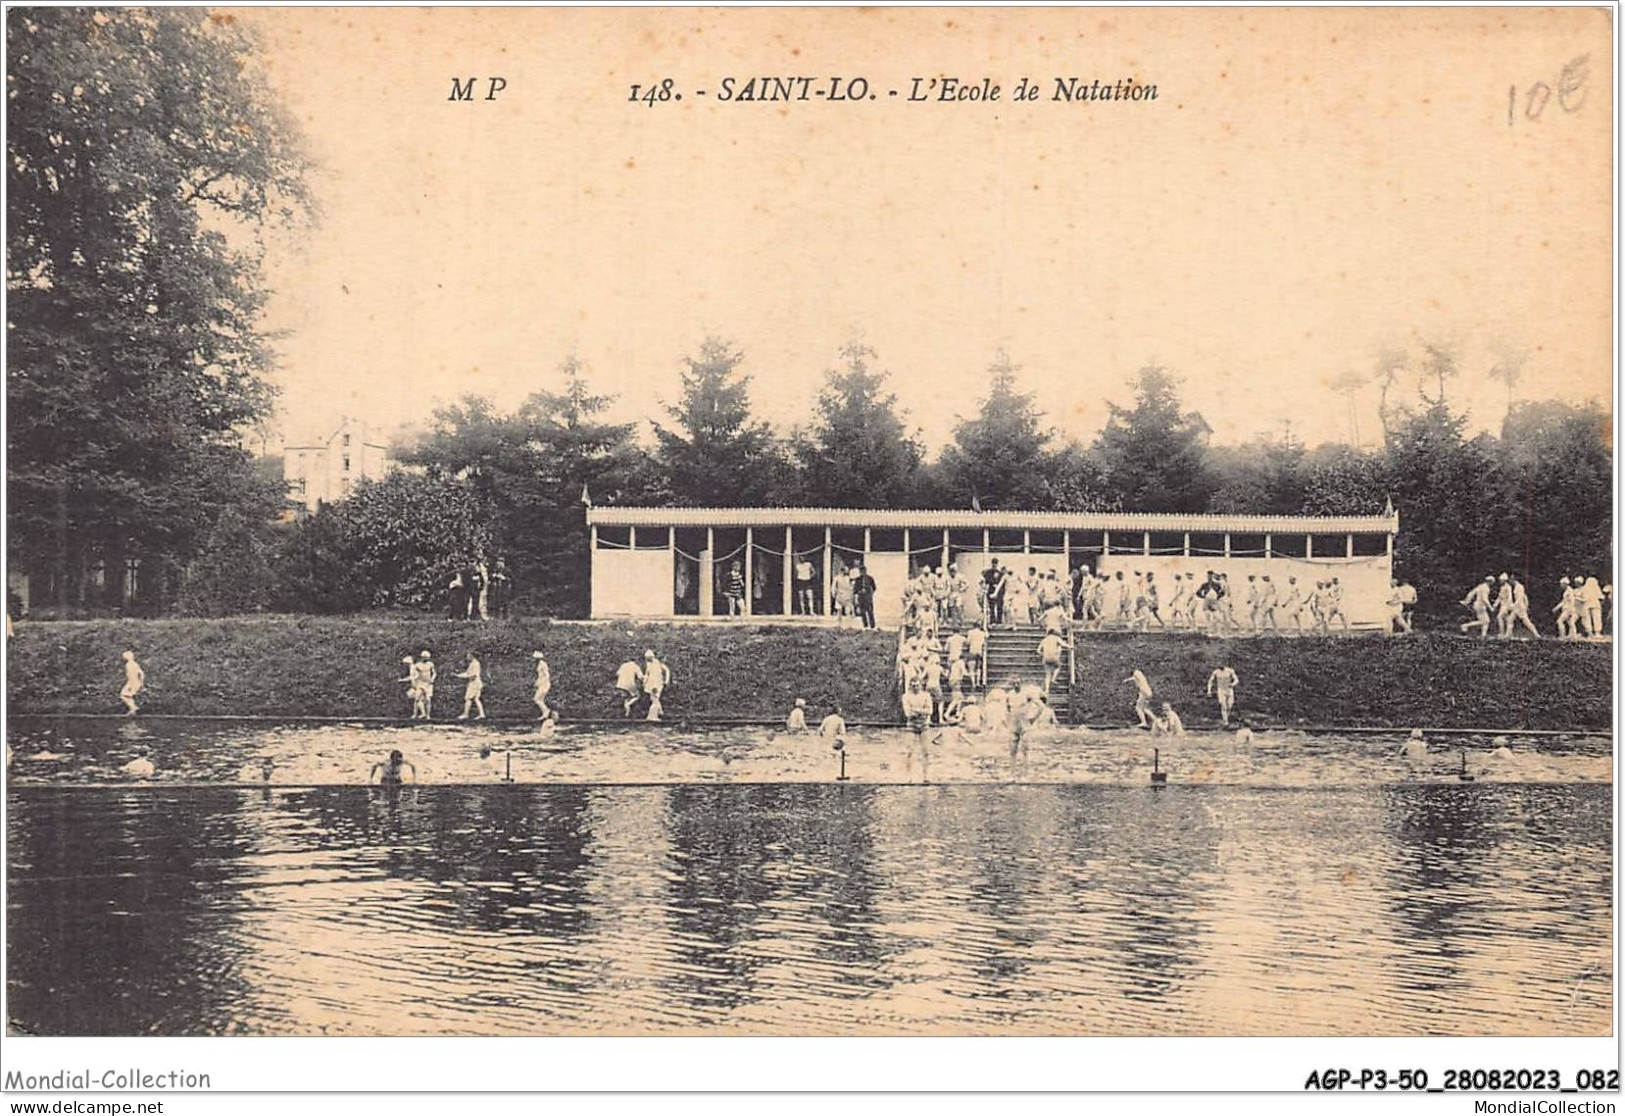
1402 904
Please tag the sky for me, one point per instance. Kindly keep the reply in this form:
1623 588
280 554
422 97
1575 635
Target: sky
1309 188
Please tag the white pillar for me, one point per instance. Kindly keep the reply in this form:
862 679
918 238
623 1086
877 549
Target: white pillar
1026 542
1309 546
908 559
1145 544
671 562
985 547
1269 545
946 549
827 570
1227 544
1105 545
750 569
1187 544
1351 544
708 574
592 564
789 544
1066 549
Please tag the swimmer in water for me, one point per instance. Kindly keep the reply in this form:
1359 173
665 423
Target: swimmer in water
476 686
1223 681
1142 700
1169 723
549 725
1415 746
141 768
544 684
971 718
389 773
1244 734
135 680
833 727
797 720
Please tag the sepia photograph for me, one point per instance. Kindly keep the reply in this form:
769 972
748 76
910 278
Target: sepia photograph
1089 522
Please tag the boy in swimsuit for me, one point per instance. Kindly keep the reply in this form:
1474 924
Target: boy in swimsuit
1520 608
1334 603
1293 603
476 687
1169 723
135 679
544 684
629 680
797 720
976 648
424 670
1142 700
1049 653
656 677
389 773
1478 599
1224 681
1266 603
833 726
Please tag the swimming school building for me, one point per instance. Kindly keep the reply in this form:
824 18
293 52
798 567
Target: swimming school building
655 563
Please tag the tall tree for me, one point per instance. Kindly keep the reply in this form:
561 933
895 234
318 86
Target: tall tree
715 453
145 154
1155 453
1508 370
997 456
578 457
858 453
1392 364
1348 385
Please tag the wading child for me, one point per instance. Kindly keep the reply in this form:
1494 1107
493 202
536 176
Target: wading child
1223 682
629 680
544 684
797 720
135 680
476 686
656 677
1142 700
389 773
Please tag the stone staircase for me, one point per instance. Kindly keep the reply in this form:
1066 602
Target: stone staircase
1012 657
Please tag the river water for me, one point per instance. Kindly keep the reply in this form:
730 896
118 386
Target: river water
1297 886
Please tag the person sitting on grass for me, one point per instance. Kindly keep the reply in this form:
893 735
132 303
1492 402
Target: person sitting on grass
390 772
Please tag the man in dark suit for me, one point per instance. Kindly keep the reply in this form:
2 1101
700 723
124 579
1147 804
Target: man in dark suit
863 596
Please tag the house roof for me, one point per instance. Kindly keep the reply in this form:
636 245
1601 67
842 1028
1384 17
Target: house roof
993 520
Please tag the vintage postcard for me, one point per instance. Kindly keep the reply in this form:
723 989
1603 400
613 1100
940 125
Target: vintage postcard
810 522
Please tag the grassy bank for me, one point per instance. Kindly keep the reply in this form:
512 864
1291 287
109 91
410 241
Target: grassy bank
302 666
287 666
1426 680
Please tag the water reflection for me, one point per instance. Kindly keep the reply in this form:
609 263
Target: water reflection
811 909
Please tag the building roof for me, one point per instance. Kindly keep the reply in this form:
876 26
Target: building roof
993 520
